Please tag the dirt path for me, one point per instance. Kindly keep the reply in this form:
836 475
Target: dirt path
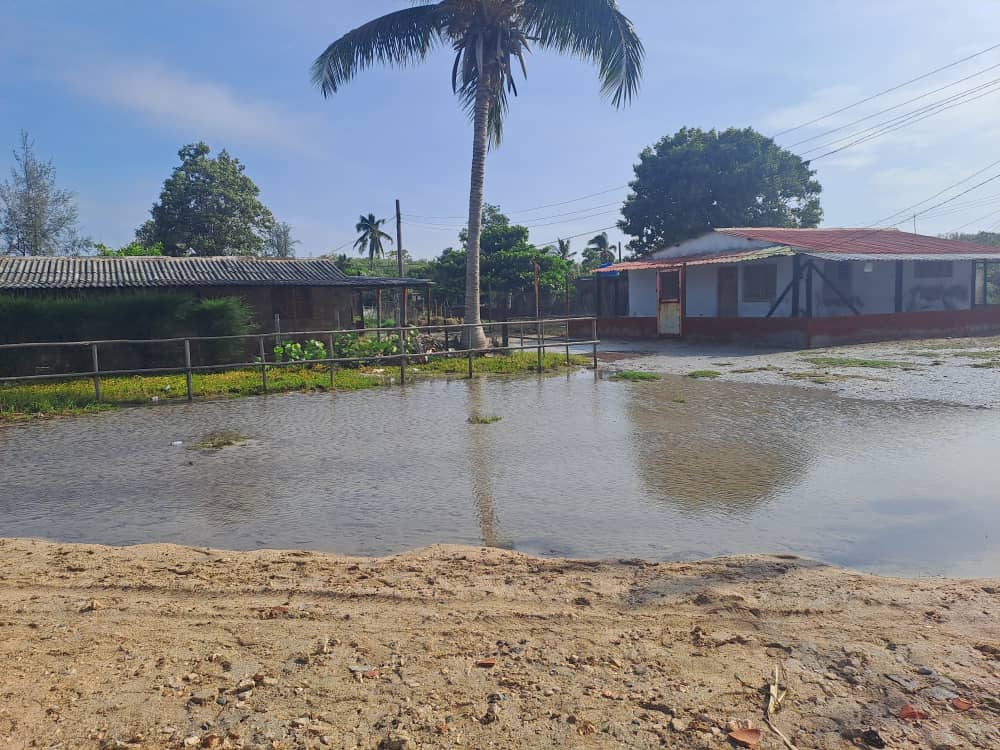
164 646
961 370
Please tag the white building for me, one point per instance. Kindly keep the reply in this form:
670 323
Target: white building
810 287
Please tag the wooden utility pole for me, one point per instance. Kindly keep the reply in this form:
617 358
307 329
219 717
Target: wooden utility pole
399 240
401 310
619 251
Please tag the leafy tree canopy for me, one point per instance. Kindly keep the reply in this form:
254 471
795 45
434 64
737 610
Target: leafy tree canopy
980 238
208 206
695 180
497 233
131 250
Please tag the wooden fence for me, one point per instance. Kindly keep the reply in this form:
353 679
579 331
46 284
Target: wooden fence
536 335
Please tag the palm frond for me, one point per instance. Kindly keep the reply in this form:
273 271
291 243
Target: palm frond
395 39
594 30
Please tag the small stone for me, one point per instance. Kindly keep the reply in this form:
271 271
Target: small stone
397 740
244 686
938 694
925 671
201 697
192 741
944 741
92 606
679 725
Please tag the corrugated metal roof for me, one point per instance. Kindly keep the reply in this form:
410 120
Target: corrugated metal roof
698 260
995 255
861 241
153 272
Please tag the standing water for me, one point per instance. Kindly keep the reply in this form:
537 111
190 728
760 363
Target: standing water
666 470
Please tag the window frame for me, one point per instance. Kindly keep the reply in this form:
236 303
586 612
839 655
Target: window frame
768 295
922 269
845 285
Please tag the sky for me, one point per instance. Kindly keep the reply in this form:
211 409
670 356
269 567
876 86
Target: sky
111 89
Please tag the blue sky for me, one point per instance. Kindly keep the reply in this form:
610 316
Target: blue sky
110 89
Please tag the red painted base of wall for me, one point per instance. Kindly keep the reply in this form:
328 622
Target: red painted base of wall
805 333
616 328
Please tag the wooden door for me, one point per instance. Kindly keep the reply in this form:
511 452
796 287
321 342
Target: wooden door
669 308
728 291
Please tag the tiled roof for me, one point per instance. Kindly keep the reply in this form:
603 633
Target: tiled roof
698 260
860 241
152 272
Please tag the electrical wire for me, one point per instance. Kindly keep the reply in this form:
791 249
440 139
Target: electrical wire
886 91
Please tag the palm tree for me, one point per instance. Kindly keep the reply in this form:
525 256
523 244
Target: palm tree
488 38
370 238
598 251
562 250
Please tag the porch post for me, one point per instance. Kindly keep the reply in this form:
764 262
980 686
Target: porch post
809 288
796 277
899 285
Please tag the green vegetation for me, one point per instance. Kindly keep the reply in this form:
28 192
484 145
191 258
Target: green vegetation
678 400
979 354
748 370
218 440
635 375
704 374
989 365
878 364
20 401
480 419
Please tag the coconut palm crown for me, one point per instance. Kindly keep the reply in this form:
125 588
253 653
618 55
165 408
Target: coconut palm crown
370 237
490 38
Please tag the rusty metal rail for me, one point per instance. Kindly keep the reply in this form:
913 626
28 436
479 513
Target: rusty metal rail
531 331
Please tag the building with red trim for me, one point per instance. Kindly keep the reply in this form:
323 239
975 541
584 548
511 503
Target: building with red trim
810 287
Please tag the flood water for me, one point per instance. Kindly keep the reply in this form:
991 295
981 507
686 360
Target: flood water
667 470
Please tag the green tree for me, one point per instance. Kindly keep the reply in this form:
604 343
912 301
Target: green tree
36 216
279 242
980 238
695 180
598 252
208 206
489 38
370 237
131 250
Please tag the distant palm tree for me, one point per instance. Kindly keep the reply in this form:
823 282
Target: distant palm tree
599 251
370 238
562 250
489 37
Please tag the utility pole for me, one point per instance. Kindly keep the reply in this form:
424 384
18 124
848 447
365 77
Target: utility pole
399 239
619 251
914 223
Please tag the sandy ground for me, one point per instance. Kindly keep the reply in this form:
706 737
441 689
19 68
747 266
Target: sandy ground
960 371
449 647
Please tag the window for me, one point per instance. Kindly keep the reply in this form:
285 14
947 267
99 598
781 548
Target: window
932 269
839 273
670 286
760 283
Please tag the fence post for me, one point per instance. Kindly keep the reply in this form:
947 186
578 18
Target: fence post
187 369
469 351
333 365
593 338
97 370
539 342
263 363
567 343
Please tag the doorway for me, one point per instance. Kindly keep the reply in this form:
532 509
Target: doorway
728 292
669 306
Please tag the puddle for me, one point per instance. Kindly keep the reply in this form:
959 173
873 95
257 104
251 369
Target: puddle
665 470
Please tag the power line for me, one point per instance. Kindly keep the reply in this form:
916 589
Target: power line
543 218
894 107
886 91
905 211
901 121
534 208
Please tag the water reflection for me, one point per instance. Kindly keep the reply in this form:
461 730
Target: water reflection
666 470
700 458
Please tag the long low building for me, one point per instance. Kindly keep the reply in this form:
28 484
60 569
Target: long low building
808 287
299 294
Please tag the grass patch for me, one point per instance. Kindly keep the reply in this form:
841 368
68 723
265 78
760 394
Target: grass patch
748 370
73 397
878 364
484 419
980 354
218 440
678 400
635 375
993 364
704 374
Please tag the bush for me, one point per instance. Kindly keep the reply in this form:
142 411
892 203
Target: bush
145 315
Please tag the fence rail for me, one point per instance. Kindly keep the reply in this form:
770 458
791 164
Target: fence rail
532 331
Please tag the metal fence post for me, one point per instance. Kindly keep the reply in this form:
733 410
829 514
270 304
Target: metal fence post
333 365
187 369
263 363
539 342
567 343
97 371
593 338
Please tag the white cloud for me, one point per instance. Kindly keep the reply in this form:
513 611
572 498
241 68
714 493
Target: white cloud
171 99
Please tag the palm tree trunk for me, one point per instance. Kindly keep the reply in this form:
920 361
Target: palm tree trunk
475 337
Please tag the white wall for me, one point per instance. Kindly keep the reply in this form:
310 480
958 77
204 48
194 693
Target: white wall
642 294
702 290
954 293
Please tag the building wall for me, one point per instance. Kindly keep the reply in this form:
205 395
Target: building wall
299 308
702 290
642 294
